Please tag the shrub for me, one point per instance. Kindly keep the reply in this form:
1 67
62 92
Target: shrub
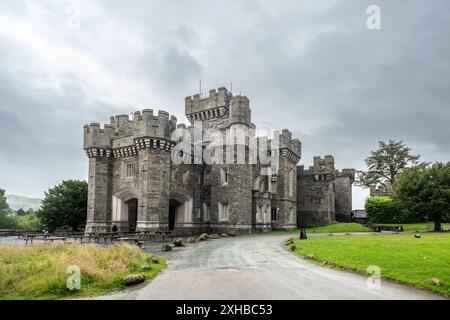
385 210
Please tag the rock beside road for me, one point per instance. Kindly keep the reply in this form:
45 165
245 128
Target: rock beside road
133 279
190 240
166 248
178 242
203 237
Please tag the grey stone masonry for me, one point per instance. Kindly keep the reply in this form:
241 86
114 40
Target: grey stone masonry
323 191
148 173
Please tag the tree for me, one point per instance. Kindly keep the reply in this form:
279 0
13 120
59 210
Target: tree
386 163
4 206
6 220
425 190
65 205
21 212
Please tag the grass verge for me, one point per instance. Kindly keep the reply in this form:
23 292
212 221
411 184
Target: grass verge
331 228
401 257
41 271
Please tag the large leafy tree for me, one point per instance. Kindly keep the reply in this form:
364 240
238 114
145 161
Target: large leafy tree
4 207
386 163
425 190
65 205
6 219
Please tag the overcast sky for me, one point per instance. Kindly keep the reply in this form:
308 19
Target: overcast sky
311 66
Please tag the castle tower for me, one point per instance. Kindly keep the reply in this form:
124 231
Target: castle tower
229 183
316 197
285 181
129 171
343 188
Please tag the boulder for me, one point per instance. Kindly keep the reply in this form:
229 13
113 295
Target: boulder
436 282
203 237
213 236
289 241
232 233
349 268
190 240
152 259
133 279
178 242
224 235
166 247
146 267
311 257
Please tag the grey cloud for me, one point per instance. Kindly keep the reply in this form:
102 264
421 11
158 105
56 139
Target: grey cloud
309 66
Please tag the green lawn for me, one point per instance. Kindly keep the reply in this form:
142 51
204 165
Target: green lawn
401 257
41 271
331 228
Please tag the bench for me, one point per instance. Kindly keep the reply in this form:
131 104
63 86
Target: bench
378 228
135 241
30 237
52 239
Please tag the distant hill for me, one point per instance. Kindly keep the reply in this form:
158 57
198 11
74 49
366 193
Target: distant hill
17 202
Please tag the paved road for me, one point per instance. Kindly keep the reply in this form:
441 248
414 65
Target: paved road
256 267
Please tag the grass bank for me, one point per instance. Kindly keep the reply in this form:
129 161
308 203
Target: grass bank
331 228
41 271
401 257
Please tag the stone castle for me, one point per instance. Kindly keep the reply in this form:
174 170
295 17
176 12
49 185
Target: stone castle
141 180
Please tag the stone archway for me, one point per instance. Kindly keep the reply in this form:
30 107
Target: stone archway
180 209
124 209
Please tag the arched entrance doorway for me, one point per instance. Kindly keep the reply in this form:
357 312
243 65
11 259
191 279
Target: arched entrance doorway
125 209
180 210
173 206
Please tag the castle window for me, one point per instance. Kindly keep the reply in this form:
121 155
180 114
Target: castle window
256 185
291 182
206 212
223 211
273 214
131 170
185 177
224 176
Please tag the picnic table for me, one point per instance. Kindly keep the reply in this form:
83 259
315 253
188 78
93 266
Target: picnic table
31 236
97 236
379 228
55 239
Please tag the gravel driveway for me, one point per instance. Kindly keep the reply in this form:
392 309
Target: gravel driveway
256 267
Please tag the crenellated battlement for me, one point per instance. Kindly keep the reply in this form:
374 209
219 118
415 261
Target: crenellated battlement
350 173
320 166
216 105
148 125
97 137
123 130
